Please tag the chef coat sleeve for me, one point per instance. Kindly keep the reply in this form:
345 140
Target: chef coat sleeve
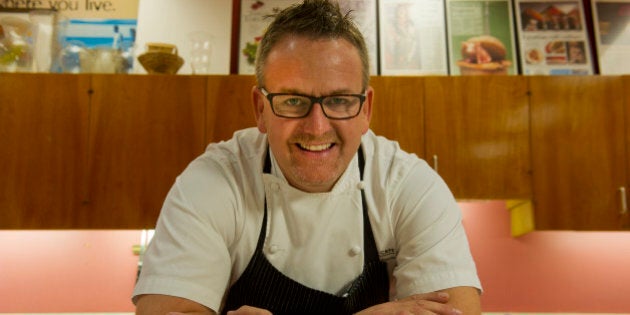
188 256
432 247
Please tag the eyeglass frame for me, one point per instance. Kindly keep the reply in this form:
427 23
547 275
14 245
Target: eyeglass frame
314 99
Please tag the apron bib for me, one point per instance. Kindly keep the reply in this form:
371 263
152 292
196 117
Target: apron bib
262 285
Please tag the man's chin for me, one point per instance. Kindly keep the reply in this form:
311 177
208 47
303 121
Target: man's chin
315 182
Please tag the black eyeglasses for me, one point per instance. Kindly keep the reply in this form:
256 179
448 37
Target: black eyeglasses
339 106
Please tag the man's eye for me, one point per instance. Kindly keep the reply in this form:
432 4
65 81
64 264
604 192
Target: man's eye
294 101
338 100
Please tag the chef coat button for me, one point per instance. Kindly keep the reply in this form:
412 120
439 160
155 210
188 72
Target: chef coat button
276 187
273 249
355 250
361 185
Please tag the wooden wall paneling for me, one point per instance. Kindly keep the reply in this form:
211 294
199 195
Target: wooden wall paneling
478 129
397 111
144 130
43 140
229 106
578 151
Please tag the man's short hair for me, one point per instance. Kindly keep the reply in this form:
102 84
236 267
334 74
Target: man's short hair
314 19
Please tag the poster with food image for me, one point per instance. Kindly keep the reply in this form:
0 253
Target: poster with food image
612 35
553 38
412 37
256 16
481 37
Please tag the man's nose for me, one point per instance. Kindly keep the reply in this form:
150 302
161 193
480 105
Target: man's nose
316 121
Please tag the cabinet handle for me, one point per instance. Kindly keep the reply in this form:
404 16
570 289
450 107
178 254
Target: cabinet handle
435 162
624 203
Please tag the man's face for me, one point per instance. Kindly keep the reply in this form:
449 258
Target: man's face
313 151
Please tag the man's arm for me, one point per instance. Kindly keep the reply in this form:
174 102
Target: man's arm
453 301
158 304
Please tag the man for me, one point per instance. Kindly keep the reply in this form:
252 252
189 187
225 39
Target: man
310 213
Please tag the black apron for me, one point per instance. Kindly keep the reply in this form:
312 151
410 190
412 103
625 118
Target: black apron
262 285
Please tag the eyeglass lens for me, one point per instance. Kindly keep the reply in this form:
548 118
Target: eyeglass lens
336 106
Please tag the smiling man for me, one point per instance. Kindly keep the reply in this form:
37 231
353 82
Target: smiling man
310 212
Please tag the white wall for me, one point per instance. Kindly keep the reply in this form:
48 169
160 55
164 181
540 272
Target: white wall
170 21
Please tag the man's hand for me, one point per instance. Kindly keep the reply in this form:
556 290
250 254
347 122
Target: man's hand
249 310
151 304
433 303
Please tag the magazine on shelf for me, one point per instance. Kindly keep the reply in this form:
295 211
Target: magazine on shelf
611 19
255 19
553 38
412 37
481 37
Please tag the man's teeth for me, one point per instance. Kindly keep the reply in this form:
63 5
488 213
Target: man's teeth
319 147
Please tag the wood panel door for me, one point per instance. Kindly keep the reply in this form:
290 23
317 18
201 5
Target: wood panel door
578 152
397 111
144 130
477 134
43 141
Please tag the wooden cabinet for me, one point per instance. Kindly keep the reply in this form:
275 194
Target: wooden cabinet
95 151
43 146
229 106
102 151
397 111
143 132
477 135
578 152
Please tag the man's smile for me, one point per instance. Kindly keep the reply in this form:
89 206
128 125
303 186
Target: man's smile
315 147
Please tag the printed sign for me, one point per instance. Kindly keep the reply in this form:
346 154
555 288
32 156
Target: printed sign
481 37
553 38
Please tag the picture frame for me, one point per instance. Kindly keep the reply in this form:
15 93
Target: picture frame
364 14
255 17
481 37
29 39
412 37
553 37
611 23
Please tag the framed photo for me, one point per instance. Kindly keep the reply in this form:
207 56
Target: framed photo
363 13
254 21
553 38
481 37
611 19
412 37
29 39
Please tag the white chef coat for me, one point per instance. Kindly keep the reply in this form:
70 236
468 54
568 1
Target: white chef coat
211 219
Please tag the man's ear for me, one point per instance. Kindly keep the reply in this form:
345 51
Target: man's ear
367 107
258 102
